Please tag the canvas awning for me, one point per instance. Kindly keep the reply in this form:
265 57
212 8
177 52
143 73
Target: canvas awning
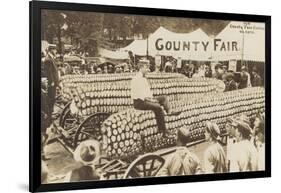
249 39
119 55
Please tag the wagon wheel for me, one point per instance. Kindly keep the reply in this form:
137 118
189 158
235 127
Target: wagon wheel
67 120
63 113
90 128
145 166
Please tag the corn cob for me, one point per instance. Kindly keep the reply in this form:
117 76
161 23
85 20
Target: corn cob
132 132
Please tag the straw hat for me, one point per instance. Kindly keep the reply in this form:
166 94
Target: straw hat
244 127
87 152
243 124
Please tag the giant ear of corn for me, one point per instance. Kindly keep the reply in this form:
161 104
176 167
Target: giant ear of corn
111 92
132 132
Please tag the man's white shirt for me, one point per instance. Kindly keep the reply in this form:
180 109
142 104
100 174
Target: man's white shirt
244 157
140 88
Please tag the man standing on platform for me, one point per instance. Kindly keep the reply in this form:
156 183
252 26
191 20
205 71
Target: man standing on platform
143 98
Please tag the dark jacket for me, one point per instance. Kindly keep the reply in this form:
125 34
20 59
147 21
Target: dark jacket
230 85
256 80
51 71
243 81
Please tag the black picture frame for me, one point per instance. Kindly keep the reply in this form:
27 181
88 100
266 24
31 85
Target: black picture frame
35 8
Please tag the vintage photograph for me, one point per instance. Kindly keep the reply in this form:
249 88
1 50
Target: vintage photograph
134 96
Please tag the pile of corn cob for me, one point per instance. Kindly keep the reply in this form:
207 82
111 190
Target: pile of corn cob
111 93
132 132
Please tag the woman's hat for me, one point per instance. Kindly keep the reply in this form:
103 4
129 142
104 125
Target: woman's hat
87 152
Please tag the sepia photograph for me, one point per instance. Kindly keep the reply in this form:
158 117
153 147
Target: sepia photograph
135 96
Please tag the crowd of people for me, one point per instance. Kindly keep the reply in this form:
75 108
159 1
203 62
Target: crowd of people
243 151
245 137
232 80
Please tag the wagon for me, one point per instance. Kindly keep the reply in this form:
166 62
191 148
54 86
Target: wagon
99 96
74 129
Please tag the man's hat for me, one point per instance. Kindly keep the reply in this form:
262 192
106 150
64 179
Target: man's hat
230 120
244 127
87 152
218 65
213 130
244 118
229 76
243 68
243 124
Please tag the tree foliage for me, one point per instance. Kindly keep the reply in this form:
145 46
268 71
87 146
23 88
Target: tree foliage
90 30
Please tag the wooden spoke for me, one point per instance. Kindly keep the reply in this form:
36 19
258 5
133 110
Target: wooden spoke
144 166
89 128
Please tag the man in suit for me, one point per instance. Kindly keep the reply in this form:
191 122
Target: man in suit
256 78
51 73
230 84
245 78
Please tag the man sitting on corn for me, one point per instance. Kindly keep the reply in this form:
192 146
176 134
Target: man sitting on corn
143 98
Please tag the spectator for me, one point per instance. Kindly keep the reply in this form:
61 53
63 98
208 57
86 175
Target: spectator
230 84
110 69
219 71
245 78
231 139
51 73
105 70
181 162
244 155
201 70
224 67
256 79
191 70
76 70
118 69
168 67
87 154
214 155
46 112
179 65
99 71
259 141
196 73
126 67
184 70
208 72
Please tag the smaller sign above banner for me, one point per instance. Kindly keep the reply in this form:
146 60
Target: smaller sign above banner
232 65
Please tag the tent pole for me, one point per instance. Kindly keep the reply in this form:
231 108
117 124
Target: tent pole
147 47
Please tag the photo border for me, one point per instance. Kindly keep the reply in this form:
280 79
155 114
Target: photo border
35 8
